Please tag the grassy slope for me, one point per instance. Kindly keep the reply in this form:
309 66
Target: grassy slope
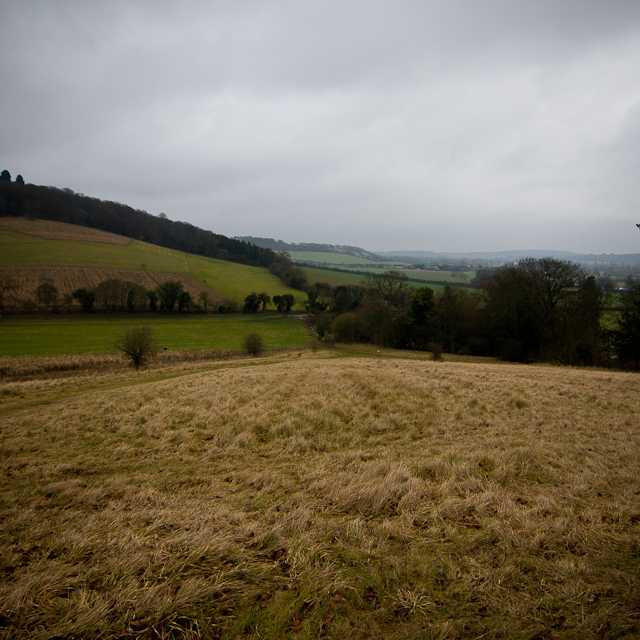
80 334
233 281
360 498
335 259
336 278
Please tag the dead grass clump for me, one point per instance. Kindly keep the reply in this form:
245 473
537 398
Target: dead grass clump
377 487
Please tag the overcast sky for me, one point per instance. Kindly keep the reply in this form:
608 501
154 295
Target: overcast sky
447 125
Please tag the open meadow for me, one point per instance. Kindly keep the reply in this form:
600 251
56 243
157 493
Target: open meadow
312 495
436 280
79 334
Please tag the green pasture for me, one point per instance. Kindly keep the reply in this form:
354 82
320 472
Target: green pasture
416 278
332 277
337 259
72 336
234 281
445 277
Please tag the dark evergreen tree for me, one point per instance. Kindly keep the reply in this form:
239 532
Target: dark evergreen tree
169 292
85 298
251 303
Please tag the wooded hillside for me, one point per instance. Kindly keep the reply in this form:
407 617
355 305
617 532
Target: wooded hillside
63 205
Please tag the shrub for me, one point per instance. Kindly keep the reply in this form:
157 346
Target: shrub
253 344
436 351
138 343
350 327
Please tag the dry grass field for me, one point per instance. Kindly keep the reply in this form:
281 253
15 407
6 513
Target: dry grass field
306 495
52 230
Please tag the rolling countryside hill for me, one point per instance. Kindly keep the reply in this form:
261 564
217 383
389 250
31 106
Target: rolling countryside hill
72 256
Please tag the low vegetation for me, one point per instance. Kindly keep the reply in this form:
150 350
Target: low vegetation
80 334
254 344
138 344
316 496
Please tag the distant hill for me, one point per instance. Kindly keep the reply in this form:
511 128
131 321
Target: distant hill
502 257
292 247
63 205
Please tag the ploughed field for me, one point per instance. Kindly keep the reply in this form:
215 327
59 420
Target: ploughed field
308 495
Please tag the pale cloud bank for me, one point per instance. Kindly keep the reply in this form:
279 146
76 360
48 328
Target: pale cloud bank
416 125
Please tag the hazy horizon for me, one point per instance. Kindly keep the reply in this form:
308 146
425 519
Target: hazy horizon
445 126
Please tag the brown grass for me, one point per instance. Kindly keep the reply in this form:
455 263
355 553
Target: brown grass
28 368
316 496
52 230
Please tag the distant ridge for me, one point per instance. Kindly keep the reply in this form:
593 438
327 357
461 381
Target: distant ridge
502 257
280 245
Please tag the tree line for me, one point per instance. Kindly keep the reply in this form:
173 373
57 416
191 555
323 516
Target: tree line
115 295
543 310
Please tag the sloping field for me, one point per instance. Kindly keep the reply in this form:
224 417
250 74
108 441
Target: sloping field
28 249
332 277
416 278
52 230
337 259
320 496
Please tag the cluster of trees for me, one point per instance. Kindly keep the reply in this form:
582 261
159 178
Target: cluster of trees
535 310
5 176
255 302
119 295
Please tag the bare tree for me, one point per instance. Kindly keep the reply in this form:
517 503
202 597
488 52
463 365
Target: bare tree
7 286
253 344
391 286
46 294
138 343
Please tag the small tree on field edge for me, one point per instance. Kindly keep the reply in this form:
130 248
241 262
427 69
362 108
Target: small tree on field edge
253 344
138 344
46 294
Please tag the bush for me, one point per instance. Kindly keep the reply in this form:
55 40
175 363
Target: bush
436 351
350 327
253 344
138 343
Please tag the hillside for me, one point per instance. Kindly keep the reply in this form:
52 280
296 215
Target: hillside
71 256
304 247
63 205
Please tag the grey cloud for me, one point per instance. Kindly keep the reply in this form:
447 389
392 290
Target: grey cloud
421 125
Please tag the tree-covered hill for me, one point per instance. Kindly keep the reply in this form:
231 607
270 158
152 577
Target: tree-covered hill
280 245
63 205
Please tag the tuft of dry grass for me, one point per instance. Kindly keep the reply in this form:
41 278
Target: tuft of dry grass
324 497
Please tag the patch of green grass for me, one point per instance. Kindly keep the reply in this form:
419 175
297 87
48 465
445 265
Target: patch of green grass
417 278
457 277
334 278
338 259
73 336
234 281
